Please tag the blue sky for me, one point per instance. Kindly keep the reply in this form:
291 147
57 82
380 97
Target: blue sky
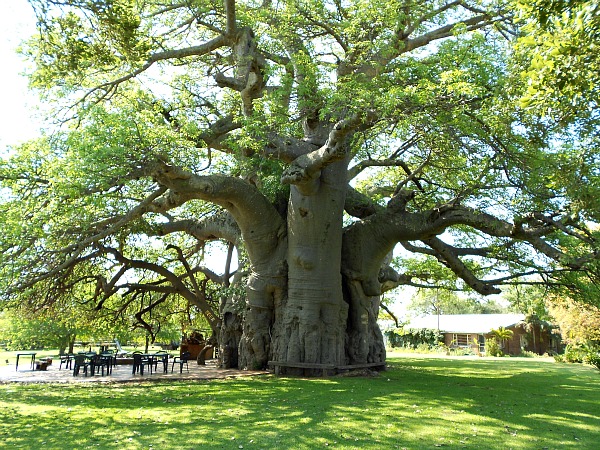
17 114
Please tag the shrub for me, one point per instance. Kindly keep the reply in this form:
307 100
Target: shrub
574 353
414 338
423 348
593 359
462 351
492 347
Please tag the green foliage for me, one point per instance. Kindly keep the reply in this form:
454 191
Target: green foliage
424 338
575 353
578 322
593 359
492 347
560 42
528 300
104 34
528 354
440 301
42 330
502 333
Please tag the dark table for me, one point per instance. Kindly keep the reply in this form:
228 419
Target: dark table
32 354
160 357
151 360
67 360
102 361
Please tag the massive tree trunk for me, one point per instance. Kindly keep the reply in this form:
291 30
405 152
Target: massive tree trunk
311 322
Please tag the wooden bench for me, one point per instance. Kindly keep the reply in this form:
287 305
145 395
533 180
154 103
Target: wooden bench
326 368
362 366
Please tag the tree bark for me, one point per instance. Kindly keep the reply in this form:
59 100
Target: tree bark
365 342
310 323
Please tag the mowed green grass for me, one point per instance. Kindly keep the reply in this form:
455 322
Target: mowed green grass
420 402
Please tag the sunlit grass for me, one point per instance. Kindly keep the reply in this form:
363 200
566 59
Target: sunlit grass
419 403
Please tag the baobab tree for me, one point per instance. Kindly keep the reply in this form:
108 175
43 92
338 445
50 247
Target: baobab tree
315 137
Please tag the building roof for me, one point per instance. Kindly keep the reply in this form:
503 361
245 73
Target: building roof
466 323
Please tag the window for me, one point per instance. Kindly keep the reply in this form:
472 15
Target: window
462 340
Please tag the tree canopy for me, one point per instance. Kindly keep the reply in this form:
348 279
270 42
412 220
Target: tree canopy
314 137
436 301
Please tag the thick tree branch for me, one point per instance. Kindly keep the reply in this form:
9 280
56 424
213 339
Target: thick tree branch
306 169
441 219
73 253
286 149
218 226
446 256
357 169
198 298
217 131
390 279
359 205
471 24
393 160
231 20
149 287
263 229
366 243
403 43
470 251
249 69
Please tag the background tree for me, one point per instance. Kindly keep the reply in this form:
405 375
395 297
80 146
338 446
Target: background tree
579 323
313 137
20 329
528 299
446 302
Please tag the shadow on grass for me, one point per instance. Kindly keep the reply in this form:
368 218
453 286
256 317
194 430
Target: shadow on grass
418 403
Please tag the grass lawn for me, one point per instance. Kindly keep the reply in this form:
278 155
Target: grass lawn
421 402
